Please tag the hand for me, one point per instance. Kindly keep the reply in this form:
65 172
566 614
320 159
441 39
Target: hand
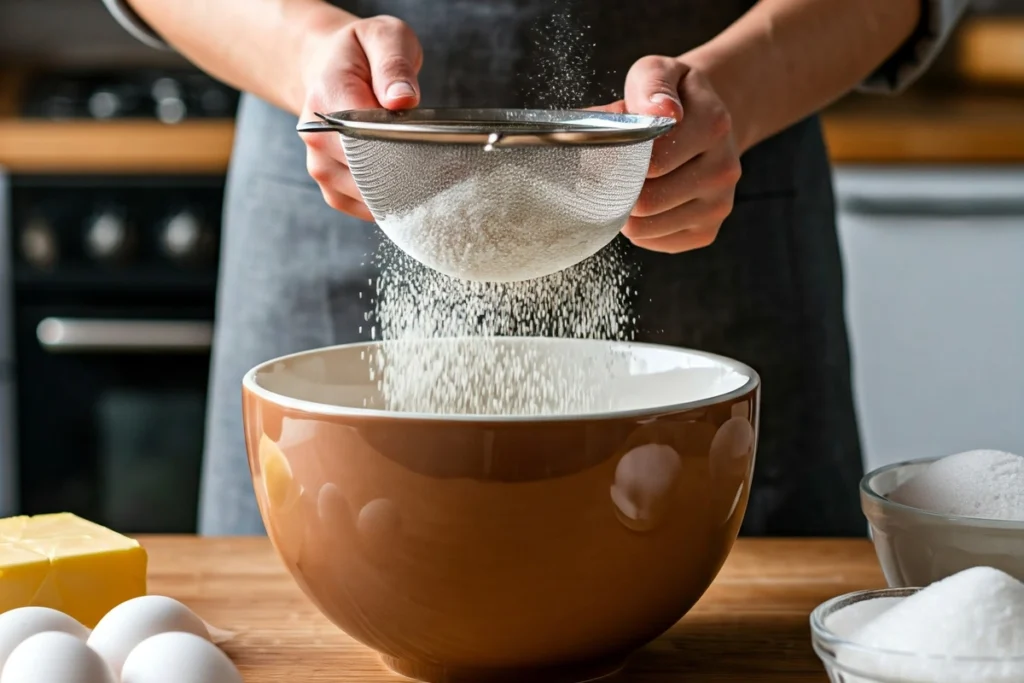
694 167
358 64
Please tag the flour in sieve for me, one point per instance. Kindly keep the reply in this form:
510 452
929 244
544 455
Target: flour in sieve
508 223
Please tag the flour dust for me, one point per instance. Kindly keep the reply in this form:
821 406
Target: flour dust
447 349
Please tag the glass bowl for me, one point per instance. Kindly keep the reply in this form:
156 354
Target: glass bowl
848 662
916 547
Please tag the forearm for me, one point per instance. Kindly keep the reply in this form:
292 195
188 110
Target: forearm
786 59
254 45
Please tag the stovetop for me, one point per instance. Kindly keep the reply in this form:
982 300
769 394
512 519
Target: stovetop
169 96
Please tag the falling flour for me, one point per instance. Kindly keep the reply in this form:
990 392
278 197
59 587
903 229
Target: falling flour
983 484
473 371
499 248
928 637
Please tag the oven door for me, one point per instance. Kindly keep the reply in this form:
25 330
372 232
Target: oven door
111 414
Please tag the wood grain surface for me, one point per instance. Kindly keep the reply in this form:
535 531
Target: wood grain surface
115 146
750 627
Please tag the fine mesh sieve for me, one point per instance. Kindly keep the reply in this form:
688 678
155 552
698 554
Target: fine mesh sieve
497 194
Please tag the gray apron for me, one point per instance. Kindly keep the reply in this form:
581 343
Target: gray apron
768 292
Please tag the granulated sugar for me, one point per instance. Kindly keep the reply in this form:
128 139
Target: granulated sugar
976 614
474 372
984 484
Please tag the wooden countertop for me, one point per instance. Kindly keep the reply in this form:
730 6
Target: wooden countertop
750 627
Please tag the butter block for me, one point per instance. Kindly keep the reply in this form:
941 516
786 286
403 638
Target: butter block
70 564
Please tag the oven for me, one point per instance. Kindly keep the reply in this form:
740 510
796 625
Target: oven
113 303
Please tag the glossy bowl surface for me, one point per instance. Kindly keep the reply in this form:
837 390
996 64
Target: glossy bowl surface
833 623
916 547
490 548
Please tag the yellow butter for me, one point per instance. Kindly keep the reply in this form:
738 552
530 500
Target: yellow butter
70 564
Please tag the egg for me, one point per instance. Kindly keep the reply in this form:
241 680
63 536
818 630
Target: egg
17 625
55 656
178 658
133 621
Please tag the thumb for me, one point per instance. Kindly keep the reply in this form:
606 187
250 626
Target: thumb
395 57
652 87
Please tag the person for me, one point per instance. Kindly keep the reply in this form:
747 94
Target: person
733 235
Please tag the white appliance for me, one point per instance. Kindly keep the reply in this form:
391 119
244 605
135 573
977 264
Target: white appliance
934 263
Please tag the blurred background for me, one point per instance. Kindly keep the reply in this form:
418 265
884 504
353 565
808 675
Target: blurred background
112 162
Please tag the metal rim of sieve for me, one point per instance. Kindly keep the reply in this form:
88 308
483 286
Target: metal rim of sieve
493 127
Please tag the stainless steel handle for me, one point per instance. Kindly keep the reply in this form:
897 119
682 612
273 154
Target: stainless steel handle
77 335
932 207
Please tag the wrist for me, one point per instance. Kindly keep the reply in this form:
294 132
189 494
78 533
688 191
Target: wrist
726 68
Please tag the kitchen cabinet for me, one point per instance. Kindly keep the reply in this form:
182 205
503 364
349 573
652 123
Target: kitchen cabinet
935 307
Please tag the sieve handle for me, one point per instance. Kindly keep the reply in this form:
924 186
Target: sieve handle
318 127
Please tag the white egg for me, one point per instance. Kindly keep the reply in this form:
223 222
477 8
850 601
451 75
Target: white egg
17 625
55 656
131 622
178 658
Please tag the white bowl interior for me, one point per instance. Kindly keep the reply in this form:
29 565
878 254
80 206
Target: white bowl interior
579 377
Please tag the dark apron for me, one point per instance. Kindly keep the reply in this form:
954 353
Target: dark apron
768 292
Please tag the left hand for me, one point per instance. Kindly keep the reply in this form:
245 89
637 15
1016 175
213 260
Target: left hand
694 167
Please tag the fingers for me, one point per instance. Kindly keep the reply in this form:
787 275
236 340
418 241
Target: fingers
395 58
662 86
712 173
369 63
336 185
676 243
696 213
652 87
617 107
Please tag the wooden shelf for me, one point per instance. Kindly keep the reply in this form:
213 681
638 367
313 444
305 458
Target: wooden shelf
954 129
28 146
869 130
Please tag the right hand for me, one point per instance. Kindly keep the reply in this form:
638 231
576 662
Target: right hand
361 64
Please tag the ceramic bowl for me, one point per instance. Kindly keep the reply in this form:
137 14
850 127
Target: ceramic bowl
481 547
916 547
835 621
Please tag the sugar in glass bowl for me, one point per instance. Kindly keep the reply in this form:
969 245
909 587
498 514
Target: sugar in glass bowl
480 548
916 547
849 662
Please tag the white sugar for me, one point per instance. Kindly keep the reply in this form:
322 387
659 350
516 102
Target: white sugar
928 637
984 484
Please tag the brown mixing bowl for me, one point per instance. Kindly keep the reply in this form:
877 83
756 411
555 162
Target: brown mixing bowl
476 547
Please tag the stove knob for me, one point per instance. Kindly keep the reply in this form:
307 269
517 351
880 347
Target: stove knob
105 104
39 244
183 236
107 236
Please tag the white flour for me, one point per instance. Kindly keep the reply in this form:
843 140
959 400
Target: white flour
977 613
475 373
511 233
985 484
506 224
